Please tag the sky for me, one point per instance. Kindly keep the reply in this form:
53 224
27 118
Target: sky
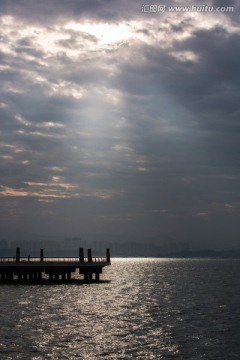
119 119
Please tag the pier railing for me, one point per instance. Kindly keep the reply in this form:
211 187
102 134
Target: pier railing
55 260
95 259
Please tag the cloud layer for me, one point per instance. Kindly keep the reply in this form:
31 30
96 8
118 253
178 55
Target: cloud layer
113 120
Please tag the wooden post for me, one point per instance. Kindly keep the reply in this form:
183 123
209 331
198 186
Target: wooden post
9 276
89 255
41 255
39 275
17 254
81 255
108 255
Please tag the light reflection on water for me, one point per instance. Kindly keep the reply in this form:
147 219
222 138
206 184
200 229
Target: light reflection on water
149 309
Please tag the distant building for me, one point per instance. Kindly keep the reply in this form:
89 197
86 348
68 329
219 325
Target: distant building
3 244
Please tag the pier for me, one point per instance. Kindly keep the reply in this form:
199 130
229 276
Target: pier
52 269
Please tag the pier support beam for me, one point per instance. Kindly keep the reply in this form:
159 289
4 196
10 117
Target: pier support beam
108 255
41 255
35 276
9 276
17 254
39 275
81 255
89 255
3 277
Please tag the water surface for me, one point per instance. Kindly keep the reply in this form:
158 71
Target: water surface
146 309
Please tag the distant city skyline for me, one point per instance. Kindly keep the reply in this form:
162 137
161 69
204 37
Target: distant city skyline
119 121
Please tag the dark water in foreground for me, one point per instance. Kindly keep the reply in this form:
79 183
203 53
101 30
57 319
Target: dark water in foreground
151 309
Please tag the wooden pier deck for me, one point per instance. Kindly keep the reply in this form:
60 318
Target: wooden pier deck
51 269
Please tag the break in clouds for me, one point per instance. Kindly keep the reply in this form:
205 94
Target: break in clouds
119 122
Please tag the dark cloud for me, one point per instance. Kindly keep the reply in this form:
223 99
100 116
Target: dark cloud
45 12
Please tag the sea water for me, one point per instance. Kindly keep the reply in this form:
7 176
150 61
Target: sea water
142 309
